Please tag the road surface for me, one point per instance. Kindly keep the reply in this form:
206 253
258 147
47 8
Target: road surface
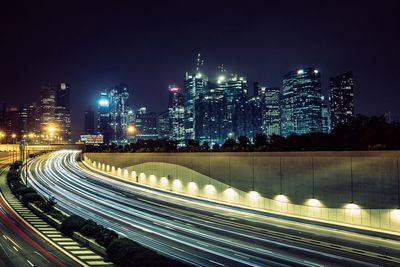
199 232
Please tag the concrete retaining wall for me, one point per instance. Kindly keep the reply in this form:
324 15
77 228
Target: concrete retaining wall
319 185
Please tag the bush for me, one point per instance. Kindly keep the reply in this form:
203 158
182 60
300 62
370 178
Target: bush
91 229
122 251
56 214
125 253
31 197
71 224
22 190
105 237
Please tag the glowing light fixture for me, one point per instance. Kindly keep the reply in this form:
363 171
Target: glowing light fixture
352 206
254 195
300 71
282 198
396 214
313 202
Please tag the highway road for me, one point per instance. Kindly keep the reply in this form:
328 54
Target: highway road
20 245
199 232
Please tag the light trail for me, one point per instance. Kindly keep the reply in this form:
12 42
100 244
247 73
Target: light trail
181 228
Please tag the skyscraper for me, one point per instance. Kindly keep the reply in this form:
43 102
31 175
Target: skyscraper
271 115
301 105
176 114
234 88
103 118
119 109
210 109
63 112
89 121
146 124
341 98
163 125
34 115
195 84
48 108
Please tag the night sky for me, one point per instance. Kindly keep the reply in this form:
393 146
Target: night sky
94 45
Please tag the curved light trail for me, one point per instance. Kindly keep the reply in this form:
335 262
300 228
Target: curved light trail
194 231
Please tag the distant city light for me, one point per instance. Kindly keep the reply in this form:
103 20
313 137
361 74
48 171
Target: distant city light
300 71
104 102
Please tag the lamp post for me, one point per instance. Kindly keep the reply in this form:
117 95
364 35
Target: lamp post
2 135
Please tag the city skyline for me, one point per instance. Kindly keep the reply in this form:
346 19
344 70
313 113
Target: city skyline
335 45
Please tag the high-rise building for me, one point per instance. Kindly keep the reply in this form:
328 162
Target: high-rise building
326 119
103 118
210 109
119 109
23 120
253 116
234 88
271 115
301 102
163 125
176 114
114 114
48 108
341 98
195 84
89 121
63 112
146 124
34 122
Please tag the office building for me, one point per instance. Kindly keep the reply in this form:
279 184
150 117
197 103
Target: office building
195 84
63 112
103 117
301 102
89 122
48 108
176 114
146 124
341 98
234 89
209 123
163 125
271 114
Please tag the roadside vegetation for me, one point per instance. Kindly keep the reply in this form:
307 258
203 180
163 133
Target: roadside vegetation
121 251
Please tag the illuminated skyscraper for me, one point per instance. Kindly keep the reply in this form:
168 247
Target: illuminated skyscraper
163 125
146 124
176 115
234 89
271 115
210 110
104 118
119 109
341 98
301 103
48 108
63 112
195 84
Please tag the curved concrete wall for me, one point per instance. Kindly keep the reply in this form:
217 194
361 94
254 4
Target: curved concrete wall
369 179
179 179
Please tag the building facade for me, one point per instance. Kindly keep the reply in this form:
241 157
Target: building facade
301 102
341 98
176 114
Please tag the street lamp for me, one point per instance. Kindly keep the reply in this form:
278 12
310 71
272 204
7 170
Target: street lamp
13 136
131 130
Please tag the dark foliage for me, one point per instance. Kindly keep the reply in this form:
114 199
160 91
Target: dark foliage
105 236
71 224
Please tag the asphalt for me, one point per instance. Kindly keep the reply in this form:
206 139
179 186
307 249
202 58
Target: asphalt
199 232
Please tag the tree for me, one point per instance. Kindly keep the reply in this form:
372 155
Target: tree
72 224
260 140
244 141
